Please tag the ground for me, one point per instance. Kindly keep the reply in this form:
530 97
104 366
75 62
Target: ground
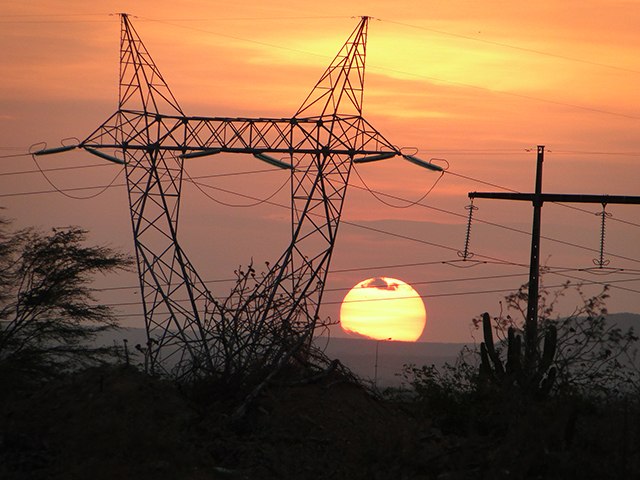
116 422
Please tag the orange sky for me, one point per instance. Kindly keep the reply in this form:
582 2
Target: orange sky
476 83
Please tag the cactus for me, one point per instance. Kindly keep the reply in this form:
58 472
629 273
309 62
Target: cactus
535 378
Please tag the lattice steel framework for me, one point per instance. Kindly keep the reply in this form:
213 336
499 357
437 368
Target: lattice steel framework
152 137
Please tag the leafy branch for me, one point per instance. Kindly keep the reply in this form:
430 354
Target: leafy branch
48 311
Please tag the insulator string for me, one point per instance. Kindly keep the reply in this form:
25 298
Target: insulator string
601 262
465 254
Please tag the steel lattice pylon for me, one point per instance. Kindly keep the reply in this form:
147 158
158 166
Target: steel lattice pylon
152 137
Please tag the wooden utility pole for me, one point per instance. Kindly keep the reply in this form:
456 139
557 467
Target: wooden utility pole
538 198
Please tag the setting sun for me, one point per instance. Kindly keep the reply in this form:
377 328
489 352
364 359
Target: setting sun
383 308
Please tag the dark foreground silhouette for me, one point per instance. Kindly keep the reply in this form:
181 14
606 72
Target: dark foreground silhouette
115 422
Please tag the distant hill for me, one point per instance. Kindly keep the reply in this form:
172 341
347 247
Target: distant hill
357 354
360 354
625 321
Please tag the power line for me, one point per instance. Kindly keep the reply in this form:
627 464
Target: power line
599 152
201 19
234 37
15 155
510 94
454 280
408 204
499 290
359 269
572 207
584 210
502 92
511 151
373 192
454 151
54 21
383 267
225 19
55 169
556 270
93 187
309 17
199 186
501 187
106 164
68 189
266 201
74 197
483 182
47 18
497 225
515 47
413 74
15 15
613 284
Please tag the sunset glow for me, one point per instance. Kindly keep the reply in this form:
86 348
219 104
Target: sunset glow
383 309
477 84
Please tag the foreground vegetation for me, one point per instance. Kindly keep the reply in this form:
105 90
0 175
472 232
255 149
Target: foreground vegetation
73 410
116 422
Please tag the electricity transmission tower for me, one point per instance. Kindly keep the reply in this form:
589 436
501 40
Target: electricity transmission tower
151 135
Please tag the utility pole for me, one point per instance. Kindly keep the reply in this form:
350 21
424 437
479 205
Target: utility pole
531 322
375 367
538 198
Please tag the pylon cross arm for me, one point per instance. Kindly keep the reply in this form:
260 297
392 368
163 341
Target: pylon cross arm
198 136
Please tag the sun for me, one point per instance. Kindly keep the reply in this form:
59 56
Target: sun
383 308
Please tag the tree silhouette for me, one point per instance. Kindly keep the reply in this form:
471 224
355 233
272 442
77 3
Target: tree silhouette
48 311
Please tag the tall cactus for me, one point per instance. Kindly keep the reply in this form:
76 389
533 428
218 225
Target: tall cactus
535 379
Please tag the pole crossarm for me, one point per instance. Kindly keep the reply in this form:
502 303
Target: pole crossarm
200 136
560 197
538 198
